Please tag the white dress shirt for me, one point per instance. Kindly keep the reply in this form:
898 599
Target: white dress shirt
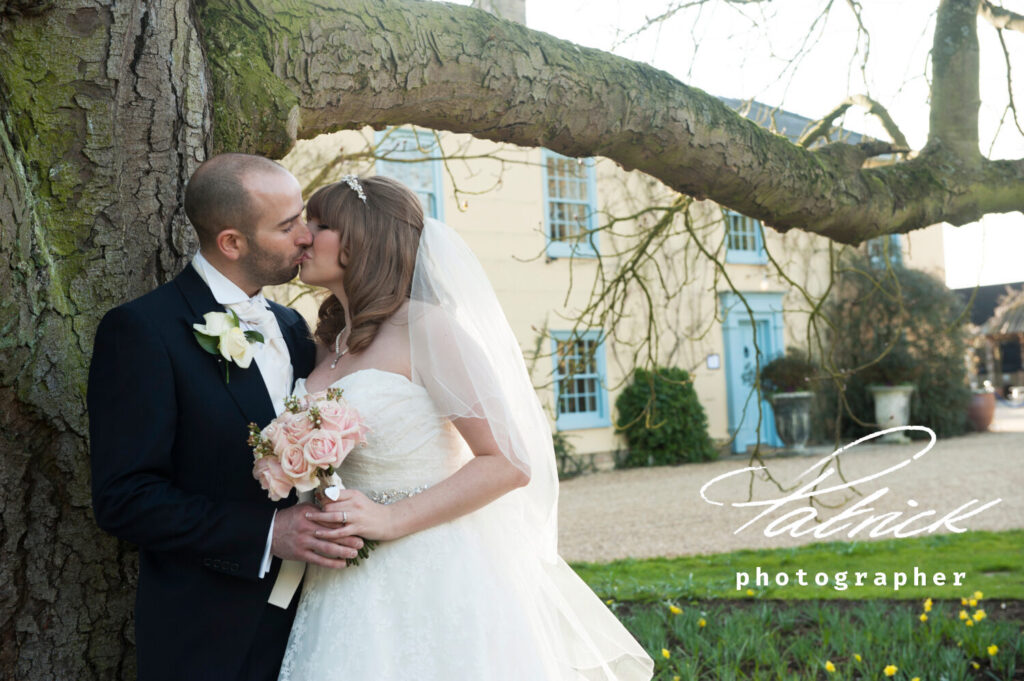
274 365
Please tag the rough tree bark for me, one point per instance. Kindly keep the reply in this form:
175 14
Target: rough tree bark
105 109
448 67
103 116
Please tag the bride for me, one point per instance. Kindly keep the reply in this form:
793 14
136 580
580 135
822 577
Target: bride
456 480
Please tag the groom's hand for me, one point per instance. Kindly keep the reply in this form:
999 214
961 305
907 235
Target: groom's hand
295 539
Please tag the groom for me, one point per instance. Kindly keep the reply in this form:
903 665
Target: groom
171 469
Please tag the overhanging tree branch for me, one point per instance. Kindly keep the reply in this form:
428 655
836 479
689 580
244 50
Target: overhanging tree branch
304 69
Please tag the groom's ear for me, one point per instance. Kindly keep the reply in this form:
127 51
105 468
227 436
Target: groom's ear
232 243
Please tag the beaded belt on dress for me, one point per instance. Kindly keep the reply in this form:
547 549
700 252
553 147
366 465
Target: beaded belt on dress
390 496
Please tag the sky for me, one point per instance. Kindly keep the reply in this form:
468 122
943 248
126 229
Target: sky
744 50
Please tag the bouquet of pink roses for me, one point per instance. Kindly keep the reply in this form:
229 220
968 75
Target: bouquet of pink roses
303 447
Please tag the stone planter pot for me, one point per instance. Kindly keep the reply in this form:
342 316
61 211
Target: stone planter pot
793 418
892 408
981 409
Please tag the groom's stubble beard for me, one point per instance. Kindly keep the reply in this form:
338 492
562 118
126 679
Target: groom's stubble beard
265 269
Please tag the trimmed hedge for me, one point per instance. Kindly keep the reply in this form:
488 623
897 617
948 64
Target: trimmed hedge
662 419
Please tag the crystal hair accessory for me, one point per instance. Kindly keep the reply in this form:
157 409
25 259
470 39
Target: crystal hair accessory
353 182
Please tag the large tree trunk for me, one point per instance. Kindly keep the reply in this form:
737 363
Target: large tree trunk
103 116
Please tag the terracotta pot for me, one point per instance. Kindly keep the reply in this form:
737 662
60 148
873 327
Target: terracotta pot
981 409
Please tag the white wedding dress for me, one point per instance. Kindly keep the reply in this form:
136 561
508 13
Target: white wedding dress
444 604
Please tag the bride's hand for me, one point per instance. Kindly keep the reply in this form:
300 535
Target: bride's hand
354 514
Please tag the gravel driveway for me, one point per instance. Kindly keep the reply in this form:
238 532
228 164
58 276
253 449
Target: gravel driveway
652 512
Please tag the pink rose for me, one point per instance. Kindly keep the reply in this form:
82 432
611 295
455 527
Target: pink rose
271 477
295 466
295 427
321 449
277 436
344 422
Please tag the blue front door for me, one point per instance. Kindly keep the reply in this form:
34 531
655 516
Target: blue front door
743 355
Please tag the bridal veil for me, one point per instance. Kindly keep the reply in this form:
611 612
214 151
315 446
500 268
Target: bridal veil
466 356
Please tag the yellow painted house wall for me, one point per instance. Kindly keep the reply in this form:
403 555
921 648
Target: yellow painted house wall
504 225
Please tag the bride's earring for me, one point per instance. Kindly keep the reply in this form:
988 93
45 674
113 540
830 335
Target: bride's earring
338 351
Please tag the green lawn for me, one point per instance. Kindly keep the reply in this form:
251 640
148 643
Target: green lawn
697 626
993 563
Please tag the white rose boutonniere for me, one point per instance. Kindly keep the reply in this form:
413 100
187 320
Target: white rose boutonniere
221 334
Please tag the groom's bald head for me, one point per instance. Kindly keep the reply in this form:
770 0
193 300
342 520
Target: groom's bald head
217 196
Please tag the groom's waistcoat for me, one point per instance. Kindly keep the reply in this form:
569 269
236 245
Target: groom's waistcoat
172 473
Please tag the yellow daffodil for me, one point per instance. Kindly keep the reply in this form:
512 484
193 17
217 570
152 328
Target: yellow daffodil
750 592
829 667
676 678
702 622
978 595
609 601
963 601
972 602
963 614
675 609
993 649
979 615
969 623
923 617
856 656
928 605
665 653
916 678
976 665
890 670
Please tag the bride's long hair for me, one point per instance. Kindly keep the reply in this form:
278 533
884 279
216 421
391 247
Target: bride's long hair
378 242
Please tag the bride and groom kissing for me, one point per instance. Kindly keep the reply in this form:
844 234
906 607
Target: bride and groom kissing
456 480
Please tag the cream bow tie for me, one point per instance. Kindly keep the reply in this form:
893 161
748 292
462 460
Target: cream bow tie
256 313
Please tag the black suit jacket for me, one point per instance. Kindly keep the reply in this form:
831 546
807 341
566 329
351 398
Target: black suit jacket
172 472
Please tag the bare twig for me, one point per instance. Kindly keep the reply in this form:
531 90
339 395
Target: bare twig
1001 17
821 128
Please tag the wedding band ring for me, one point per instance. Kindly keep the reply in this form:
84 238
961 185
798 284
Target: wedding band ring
344 517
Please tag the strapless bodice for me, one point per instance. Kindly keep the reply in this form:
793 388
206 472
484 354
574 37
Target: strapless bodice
409 445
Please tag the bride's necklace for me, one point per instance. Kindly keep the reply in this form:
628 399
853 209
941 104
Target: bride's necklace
339 351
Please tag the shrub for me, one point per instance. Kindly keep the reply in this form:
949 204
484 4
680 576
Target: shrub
662 419
789 373
920 320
